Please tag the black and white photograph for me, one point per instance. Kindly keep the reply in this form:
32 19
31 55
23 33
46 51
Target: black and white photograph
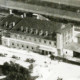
39 39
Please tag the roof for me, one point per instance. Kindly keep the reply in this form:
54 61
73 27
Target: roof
63 14
44 25
75 3
78 35
34 24
9 19
1 18
65 27
73 46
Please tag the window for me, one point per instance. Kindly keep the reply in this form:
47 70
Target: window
12 43
25 37
35 39
32 48
15 35
27 47
29 38
66 42
17 44
49 42
20 36
22 46
44 41
4 42
55 43
39 40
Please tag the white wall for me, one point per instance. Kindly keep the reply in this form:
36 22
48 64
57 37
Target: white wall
59 41
67 53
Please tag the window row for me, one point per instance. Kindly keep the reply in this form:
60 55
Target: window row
33 31
22 46
32 39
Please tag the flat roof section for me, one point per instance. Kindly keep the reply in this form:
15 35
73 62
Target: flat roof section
74 47
62 14
75 3
78 35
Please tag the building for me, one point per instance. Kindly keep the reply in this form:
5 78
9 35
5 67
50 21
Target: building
45 37
41 36
28 33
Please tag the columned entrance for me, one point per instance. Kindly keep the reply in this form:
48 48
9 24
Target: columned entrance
43 52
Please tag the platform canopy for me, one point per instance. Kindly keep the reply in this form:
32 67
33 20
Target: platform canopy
62 14
75 3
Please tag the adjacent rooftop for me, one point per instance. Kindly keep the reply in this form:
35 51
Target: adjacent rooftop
63 14
73 46
75 3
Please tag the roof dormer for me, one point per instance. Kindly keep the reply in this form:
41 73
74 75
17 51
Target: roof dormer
6 24
46 33
36 31
41 33
31 30
22 29
13 23
26 29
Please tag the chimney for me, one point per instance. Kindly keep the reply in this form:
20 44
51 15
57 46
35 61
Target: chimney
22 16
10 11
22 28
6 23
13 23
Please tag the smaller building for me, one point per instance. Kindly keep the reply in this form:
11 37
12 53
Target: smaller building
72 51
78 38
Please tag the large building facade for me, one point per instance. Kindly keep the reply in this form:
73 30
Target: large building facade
41 36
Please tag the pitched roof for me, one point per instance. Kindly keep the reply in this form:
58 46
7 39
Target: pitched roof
64 28
44 25
9 19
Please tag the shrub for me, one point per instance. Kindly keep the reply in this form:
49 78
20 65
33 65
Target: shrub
30 60
15 57
31 67
2 55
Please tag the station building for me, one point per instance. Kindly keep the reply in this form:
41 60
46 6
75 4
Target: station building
41 36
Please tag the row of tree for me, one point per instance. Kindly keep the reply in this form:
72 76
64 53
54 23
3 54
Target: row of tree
15 72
